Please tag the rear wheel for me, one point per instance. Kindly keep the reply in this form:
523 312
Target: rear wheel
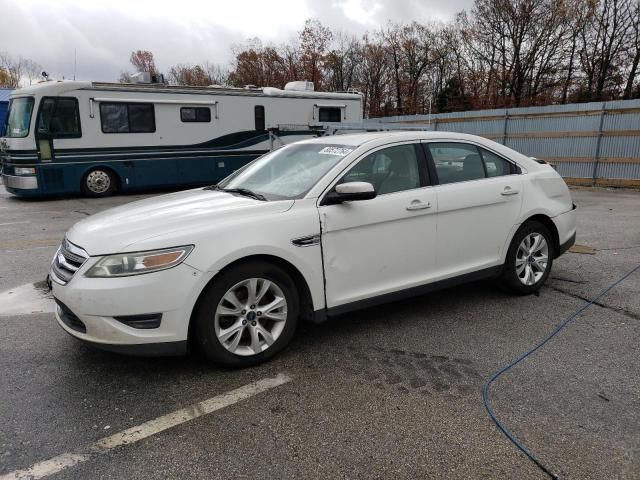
99 182
529 258
247 315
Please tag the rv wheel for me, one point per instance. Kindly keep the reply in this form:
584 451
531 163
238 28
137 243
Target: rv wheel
99 182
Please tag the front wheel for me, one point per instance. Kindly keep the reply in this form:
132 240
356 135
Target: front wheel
99 182
247 315
529 258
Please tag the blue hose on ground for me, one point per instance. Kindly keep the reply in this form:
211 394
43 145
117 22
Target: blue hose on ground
554 332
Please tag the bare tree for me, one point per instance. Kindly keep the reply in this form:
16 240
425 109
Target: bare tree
14 68
142 61
634 49
501 53
604 42
32 71
313 42
217 74
5 78
341 63
374 73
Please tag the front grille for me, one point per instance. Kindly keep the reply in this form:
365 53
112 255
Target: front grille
69 318
68 259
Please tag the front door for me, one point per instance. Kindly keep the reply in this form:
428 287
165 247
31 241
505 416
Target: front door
479 201
386 244
58 119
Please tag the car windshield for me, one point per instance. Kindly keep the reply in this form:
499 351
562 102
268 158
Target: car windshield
287 173
19 117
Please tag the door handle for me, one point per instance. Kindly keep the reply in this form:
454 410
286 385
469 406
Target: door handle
418 205
509 191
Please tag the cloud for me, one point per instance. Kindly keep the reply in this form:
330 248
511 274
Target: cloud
102 34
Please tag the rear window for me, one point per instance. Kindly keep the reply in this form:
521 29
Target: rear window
127 117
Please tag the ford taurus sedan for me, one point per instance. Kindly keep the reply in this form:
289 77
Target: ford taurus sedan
315 229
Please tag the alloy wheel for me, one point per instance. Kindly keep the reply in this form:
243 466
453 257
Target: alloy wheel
532 259
250 316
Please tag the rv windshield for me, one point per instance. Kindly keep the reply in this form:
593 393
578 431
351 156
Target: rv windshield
287 173
19 117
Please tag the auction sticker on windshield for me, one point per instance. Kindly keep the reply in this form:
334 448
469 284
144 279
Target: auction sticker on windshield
341 151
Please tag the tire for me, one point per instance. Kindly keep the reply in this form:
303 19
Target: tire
231 332
99 182
525 269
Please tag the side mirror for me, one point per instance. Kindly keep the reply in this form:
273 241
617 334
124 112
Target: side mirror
350 192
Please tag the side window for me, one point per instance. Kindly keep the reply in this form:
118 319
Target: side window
329 114
141 118
47 108
127 118
59 117
456 162
496 166
114 117
389 170
258 111
66 120
195 114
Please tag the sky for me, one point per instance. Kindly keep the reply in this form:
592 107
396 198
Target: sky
102 34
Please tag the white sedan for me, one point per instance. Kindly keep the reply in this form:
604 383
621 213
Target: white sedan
315 229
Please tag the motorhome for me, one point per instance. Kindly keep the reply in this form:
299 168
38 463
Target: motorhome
70 137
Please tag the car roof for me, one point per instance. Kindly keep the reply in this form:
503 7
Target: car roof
358 139
379 139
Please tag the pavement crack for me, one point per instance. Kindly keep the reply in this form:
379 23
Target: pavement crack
570 280
620 248
622 311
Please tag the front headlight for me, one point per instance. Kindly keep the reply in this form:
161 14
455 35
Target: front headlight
137 263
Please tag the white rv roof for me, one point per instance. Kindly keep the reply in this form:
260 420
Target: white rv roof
51 88
63 86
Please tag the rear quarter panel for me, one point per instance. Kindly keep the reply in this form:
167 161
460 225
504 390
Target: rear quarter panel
545 192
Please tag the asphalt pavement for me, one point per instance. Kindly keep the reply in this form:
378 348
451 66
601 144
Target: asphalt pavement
389 392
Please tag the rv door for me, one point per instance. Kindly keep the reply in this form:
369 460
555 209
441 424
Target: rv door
58 117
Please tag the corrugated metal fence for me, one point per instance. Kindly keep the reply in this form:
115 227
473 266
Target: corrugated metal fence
589 143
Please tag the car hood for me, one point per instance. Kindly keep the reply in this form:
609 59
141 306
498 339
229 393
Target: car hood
119 229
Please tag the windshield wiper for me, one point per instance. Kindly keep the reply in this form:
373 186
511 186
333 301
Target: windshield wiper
244 191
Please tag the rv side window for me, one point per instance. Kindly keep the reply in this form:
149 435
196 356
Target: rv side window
195 114
329 114
59 117
127 118
259 114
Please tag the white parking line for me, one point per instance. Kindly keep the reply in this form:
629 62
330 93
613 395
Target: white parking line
14 223
135 434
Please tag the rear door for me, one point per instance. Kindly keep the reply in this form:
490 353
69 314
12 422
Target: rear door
479 199
379 246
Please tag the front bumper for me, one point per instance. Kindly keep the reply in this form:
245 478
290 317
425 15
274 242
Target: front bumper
87 308
19 182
